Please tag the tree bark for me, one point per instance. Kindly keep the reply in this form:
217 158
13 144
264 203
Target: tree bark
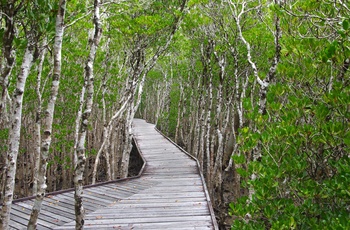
48 119
179 106
36 160
80 158
15 132
8 59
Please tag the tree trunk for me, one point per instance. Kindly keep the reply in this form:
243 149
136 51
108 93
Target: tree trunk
36 160
127 143
8 59
201 135
208 142
220 127
15 132
179 107
48 119
80 158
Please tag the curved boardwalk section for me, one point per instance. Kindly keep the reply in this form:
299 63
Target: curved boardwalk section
170 194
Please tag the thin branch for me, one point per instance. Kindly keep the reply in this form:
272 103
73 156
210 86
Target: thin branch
6 15
78 19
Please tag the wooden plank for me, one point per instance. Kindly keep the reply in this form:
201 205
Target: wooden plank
45 210
15 225
200 225
104 193
68 199
155 211
158 219
44 221
160 206
101 193
162 200
122 192
147 214
52 218
59 210
88 198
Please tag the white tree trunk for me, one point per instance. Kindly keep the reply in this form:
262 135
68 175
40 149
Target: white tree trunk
80 158
197 119
220 128
179 107
38 124
114 155
208 142
201 136
48 119
127 144
15 132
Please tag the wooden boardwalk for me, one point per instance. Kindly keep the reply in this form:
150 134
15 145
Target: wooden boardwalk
170 194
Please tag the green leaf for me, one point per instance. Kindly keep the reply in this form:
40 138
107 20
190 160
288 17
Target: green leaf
238 159
346 24
331 50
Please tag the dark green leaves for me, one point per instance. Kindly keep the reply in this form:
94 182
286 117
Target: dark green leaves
330 51
346 24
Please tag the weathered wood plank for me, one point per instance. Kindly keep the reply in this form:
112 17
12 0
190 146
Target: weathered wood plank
23 218
141 219
162 200
200 225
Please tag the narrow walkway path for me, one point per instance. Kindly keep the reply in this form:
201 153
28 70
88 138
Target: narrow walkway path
170 194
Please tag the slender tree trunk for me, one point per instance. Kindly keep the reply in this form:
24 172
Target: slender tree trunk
36 160
167 104
127 143
183 127
192 122
208 142
80 158
114 155
202 135
196 142
48 119
179 108
220 129
239 95
8 60
15 132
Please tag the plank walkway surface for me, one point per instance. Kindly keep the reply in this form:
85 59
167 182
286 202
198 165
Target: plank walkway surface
170 194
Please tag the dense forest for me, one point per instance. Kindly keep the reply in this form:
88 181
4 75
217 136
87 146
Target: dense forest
257 90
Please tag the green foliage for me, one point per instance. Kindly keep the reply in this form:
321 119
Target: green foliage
302 177
304 174
172 116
